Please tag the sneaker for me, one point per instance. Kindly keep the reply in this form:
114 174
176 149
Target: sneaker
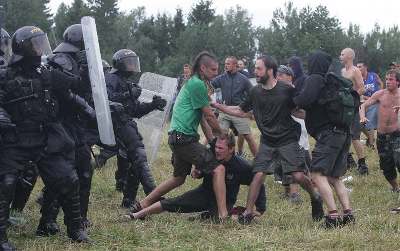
295 198
317 210
351 163
395 210
245 219
332 222
348 219
362 169
395 190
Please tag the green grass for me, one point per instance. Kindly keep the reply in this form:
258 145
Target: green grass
283 227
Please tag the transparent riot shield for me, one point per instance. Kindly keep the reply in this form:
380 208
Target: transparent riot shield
152 125
99 90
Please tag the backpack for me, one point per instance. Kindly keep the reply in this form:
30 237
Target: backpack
339 99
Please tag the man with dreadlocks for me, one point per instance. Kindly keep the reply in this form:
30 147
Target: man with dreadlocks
192 108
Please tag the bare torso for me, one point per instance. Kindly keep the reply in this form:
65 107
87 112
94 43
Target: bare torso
388 117
351 73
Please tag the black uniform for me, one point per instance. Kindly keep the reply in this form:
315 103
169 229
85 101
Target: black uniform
122 91
68 57
32 96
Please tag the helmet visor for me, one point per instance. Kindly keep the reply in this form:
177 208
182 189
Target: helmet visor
38 46
131 64
5 47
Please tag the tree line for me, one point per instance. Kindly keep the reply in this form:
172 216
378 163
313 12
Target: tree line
165 42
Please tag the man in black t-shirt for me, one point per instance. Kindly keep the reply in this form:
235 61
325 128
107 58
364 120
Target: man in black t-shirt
272 105
238 172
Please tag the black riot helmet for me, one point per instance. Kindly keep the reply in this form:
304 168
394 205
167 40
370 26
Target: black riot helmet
73 40
5 44
29 41
125 60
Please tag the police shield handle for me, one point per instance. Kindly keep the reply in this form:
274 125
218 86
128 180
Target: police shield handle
96 74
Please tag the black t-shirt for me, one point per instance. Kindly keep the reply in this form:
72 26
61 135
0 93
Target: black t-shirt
272 110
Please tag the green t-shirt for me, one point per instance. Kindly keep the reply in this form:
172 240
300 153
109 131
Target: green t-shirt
186 114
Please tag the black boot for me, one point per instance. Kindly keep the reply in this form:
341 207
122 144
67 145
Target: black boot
72 217
7 186
85 174
131 188
317 210
143 169
121 173
48 222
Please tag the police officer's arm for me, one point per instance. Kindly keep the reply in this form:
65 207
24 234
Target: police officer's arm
372 100
113 94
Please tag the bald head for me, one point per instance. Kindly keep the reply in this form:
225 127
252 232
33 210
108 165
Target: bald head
347 55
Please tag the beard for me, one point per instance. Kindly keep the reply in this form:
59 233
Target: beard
262 80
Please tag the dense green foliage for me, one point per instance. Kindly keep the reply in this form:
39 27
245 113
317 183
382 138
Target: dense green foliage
166 42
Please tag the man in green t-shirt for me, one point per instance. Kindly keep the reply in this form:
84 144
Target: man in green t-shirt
191 109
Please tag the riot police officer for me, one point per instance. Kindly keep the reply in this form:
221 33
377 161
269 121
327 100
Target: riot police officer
69 56
121 89
31 95
5 48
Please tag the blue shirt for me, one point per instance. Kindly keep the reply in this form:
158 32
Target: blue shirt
371 84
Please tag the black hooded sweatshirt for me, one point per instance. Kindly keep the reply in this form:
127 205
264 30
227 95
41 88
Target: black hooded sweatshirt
316 116
299 76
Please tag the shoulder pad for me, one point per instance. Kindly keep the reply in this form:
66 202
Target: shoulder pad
61 60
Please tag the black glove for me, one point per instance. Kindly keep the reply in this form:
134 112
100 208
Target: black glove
159 103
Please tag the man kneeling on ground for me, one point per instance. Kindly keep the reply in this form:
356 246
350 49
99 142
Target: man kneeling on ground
202 199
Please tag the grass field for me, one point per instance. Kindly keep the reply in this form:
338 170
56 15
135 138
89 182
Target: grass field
283 227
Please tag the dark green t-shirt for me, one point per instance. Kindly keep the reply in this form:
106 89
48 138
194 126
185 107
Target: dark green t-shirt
186 114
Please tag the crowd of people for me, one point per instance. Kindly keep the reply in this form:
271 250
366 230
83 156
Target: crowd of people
48 127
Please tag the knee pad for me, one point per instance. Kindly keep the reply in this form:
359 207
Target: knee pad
67 184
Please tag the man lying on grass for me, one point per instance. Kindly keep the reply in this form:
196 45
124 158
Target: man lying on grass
202 199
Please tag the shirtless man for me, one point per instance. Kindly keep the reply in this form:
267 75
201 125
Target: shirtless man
353 73
388 140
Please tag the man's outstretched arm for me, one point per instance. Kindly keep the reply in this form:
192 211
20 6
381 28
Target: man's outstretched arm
231 110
